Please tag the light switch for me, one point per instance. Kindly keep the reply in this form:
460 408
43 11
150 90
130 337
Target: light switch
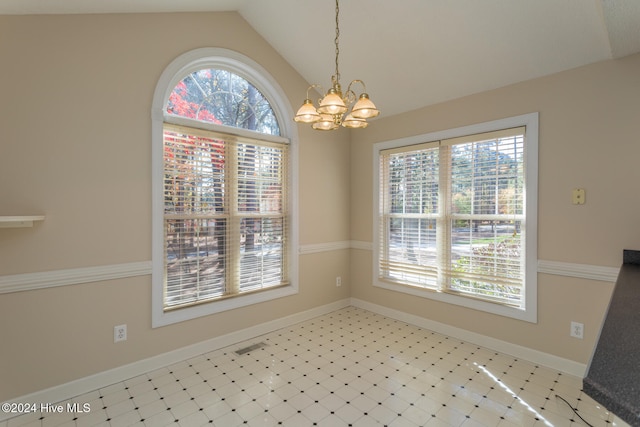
578 196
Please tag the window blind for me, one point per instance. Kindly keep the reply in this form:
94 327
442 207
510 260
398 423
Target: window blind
486 216
409 212
225 215
451 216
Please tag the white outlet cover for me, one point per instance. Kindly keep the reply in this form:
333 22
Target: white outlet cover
577 330
119 333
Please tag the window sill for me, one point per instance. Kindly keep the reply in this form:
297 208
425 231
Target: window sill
529 315
164 318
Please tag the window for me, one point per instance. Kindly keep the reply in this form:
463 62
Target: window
456 216
223 214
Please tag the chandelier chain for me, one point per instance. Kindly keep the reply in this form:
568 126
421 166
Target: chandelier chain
337 41
337 108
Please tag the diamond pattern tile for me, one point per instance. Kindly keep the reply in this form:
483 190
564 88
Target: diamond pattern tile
347 368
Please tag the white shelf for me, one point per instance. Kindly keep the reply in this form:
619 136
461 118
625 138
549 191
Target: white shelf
19 221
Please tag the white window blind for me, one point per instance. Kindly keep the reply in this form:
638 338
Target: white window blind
225 216
410 210
452 217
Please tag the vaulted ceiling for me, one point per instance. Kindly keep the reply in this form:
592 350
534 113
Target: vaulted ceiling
413 53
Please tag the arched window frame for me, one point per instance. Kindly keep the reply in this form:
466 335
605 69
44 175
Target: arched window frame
241 65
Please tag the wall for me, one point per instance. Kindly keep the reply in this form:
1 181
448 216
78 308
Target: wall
75 145
588 139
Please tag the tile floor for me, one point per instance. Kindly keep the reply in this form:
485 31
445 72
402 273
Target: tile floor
351 367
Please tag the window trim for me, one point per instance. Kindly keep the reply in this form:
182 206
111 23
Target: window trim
251 71
530 121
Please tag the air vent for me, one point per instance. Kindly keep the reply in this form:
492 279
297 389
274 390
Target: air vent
250 348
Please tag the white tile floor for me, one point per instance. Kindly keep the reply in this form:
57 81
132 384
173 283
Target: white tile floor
347 368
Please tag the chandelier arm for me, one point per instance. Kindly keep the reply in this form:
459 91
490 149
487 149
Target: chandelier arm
349 97
315 86
364 87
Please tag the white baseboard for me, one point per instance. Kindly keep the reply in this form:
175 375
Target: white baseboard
102 379
539 357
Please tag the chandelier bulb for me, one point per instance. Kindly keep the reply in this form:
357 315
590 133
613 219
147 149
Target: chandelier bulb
307 113
332 103
354 122
365 108
327 122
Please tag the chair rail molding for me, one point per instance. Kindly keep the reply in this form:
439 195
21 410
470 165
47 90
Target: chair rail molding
583 271
74 276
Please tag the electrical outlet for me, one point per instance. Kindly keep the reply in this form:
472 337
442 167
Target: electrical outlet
119 333
578 196
338 281
577 330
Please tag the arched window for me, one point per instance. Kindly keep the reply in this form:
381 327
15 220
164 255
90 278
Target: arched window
222 97
223 223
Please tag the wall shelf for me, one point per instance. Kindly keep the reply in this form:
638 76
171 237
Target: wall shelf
19 221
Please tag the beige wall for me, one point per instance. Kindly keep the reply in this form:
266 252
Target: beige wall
588 139
75 145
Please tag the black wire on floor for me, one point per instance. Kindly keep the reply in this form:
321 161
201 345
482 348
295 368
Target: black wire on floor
575 411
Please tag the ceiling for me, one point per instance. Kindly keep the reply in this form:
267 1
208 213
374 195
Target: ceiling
413 53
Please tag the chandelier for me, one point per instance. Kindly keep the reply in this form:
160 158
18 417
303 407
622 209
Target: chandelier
333 110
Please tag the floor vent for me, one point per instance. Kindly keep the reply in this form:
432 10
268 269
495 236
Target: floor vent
250 348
